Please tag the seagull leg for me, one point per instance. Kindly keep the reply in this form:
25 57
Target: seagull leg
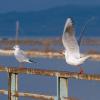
81 70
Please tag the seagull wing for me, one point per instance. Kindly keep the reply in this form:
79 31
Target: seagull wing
22 57
69 40
83 29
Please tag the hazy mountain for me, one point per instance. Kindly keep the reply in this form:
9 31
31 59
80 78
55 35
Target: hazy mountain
50 22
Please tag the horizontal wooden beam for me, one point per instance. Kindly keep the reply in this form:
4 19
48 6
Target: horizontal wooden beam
25 94
35 96
49 54
47 41
51 73
32 53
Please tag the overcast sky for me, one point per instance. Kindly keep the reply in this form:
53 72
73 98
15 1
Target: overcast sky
31 5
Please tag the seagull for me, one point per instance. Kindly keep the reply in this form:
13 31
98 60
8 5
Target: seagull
70 43
20 56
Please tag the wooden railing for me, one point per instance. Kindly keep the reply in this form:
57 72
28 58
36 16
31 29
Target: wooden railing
61 76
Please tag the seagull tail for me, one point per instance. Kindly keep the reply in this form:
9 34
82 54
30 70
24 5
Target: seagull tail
32 61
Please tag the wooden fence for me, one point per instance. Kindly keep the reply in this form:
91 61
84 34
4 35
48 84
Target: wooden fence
61 76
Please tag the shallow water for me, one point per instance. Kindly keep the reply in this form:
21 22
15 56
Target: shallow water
81 89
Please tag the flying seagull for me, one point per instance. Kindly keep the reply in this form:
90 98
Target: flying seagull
72 52
20 56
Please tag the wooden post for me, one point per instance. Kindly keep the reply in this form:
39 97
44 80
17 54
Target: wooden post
62 88
12 86
9 86
58 88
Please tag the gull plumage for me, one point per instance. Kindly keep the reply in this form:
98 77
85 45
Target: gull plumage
72 51
20 55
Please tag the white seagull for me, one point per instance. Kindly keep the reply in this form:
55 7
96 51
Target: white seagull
20 56
72 52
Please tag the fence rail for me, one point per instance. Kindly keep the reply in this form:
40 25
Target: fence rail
62 82
50 54
61 76
50 73
48 41
31 95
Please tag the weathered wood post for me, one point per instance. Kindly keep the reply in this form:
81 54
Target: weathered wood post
62 88
12 86
58 88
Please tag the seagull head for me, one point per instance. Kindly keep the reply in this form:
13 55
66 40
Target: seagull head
16 47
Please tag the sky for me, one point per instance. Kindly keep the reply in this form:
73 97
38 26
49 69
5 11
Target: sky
33 5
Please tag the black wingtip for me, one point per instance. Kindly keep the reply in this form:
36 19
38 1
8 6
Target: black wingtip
32 61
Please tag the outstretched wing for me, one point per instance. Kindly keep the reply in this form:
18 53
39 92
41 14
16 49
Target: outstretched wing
69 40
84 29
